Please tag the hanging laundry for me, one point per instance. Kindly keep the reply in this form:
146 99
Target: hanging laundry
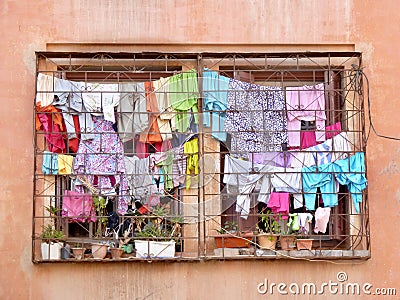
179 166
288 180
273 158
68 103
139 177
50 120
167 118
166 166
293 224
68 99
308 138
255 117
215 92
73 144
152 134
44 90
279 204
78 207
191 150
102 158
132 110
65 164
321 215
338 147
304 221
245 176
50 163
333 130
351 172
324 178
305 103
143 150
184 94
100 98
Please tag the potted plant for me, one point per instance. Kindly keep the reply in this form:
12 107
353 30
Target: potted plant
269 230
117 248
157 234
116 252
230 237
99 250
51 242
304 243
287 240
78 251
51 237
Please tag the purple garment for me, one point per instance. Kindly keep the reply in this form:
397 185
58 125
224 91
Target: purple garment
305 103
276 159
101 157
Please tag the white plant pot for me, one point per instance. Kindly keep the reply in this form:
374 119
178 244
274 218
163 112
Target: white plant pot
51 251
154 249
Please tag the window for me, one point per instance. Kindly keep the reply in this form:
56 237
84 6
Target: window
160 156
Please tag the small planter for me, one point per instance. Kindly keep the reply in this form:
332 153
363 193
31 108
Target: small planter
288 242
99 251
51 250
267 241
304 244
154 249
231 241
116 252
78 252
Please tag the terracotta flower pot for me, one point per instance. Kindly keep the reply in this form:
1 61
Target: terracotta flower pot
287 242
99 251
304 244
232 241
78 252
267 241
116 252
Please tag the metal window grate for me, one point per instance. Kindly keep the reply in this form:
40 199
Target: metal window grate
112 153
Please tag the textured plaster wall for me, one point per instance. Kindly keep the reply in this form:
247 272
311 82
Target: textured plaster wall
28 26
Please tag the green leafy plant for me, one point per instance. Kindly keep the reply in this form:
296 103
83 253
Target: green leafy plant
51 233
52 210
100 204
229 226
270 223
158 225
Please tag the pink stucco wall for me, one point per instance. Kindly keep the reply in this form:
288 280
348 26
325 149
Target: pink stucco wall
28 26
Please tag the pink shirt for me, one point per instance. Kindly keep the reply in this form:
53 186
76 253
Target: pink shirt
305 103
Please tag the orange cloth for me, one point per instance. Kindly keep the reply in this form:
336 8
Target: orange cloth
153 135
56 115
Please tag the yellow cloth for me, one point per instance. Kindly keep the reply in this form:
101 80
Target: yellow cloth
191 149
65 164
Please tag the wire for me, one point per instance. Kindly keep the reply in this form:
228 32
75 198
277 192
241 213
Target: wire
371 124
